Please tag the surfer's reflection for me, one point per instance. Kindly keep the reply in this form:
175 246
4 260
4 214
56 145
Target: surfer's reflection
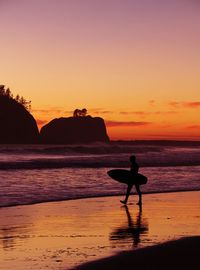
133 230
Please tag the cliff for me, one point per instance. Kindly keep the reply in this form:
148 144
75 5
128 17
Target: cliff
16 123
74 130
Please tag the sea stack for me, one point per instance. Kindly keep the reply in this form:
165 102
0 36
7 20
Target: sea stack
72 130
16 123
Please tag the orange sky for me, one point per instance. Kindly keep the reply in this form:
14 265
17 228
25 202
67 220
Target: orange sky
134 63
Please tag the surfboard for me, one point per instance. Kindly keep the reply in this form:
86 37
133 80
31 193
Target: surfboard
126 177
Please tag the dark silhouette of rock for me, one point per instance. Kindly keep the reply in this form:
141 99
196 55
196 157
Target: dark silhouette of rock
16 123
74 130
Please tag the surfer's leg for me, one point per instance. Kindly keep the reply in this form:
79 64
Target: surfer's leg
137 187
127 194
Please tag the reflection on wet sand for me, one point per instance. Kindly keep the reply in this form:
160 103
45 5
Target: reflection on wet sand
61 235
10 235
133 230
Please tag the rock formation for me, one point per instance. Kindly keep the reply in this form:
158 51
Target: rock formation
16 123
74 130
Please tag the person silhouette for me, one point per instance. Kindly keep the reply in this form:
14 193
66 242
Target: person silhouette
134 168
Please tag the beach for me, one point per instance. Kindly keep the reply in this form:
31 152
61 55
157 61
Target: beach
66 234
179 254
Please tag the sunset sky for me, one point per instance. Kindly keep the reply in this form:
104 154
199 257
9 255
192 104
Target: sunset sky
136 63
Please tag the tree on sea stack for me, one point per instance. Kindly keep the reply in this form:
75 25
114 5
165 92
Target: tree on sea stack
80 113
21 100
16 123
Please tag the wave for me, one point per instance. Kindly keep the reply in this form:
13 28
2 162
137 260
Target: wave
97 148
119 161
94 196
99 155
40 185
81 164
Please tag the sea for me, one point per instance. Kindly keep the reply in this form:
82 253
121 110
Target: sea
32 174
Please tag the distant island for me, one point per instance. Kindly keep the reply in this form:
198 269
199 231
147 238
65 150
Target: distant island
19 126
72 130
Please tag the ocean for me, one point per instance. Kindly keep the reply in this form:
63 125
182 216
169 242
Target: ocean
42 173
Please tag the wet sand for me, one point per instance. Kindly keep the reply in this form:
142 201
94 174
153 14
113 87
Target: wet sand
62 235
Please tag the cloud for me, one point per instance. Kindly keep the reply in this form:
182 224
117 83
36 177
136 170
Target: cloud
188 104
93 111
174 104
48 111
165 112
135 112
68 112
143 113
125 124
58 111
194 127
165 125
192 104
99 111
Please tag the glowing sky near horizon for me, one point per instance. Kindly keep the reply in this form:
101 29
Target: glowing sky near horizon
136 63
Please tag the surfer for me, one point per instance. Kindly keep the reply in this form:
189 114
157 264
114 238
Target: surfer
134 171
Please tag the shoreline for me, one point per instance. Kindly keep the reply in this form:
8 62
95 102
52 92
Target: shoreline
98 196
182 254
64 235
